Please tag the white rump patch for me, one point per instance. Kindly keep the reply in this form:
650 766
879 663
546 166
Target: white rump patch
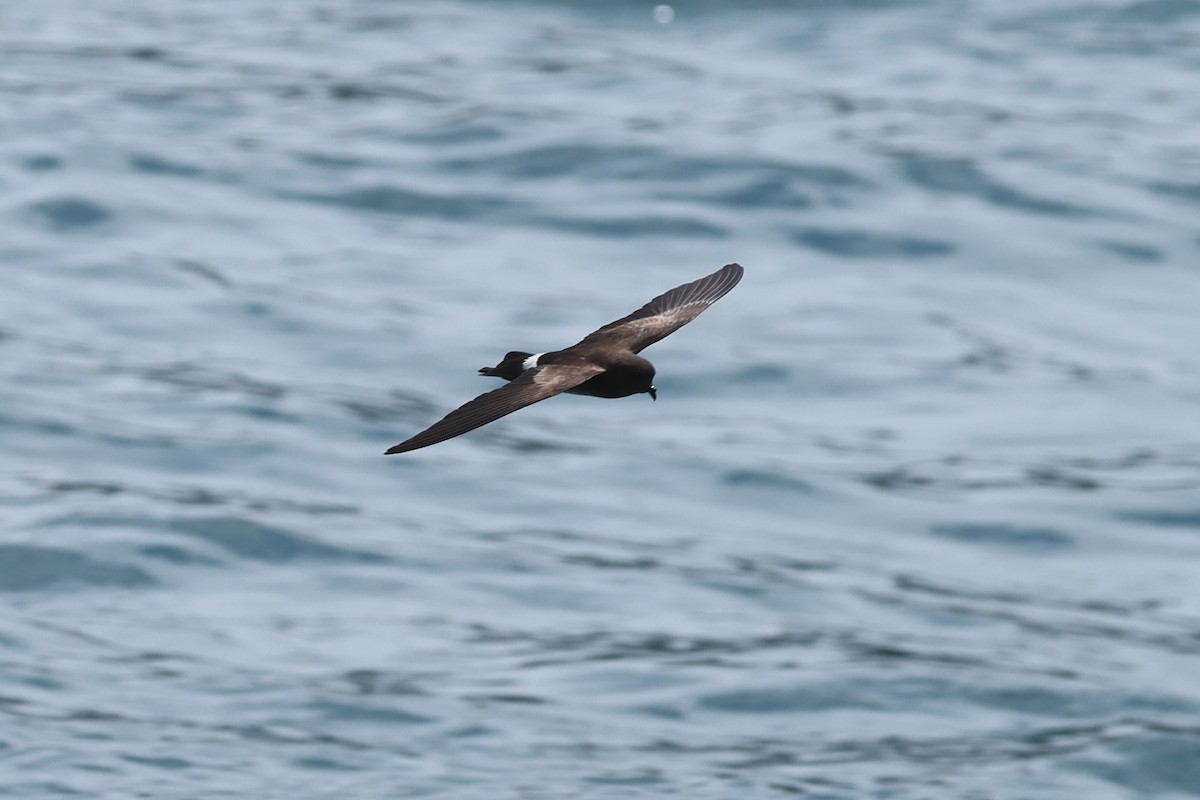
532 361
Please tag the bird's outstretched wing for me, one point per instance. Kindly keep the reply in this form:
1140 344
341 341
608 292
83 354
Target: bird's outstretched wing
668 312
526 389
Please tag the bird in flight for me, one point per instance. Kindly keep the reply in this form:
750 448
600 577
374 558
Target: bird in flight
604 364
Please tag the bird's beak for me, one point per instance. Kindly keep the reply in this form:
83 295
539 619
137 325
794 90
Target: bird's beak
653 393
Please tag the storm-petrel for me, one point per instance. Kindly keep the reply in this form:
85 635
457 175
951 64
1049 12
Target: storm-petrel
603 364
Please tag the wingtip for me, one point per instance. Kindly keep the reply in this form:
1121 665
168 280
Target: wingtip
729 275
391 451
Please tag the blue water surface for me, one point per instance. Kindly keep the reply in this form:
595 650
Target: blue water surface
917 513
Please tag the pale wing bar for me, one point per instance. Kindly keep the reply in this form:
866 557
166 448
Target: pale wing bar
708 290
671 310
531 387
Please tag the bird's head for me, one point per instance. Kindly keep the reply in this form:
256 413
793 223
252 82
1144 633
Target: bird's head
652 392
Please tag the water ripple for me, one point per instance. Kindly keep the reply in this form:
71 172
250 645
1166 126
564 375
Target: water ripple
913 517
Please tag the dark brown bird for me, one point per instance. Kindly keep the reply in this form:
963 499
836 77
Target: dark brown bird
604 364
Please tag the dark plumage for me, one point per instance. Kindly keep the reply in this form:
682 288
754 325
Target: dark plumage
604 364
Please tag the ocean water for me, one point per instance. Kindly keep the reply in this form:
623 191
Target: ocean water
917 512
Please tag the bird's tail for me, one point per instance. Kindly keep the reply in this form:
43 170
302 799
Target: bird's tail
510 367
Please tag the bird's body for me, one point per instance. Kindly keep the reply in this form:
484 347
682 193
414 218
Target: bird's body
604 364
624 373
